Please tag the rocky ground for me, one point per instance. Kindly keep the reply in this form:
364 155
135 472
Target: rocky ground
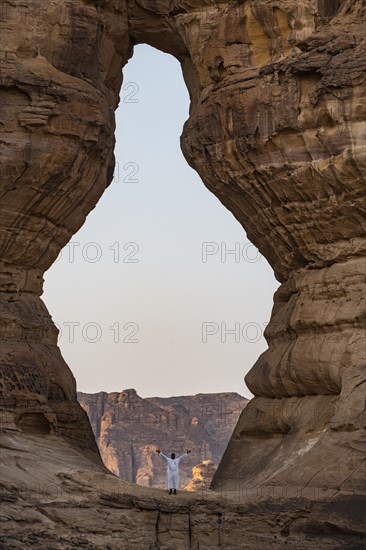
56 496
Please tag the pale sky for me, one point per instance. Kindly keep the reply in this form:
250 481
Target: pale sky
141 301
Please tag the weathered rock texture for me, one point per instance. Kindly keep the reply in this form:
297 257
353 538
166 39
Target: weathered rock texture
56 498
202 476
128 429
276 131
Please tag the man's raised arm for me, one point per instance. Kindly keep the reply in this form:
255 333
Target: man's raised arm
185 454
161 454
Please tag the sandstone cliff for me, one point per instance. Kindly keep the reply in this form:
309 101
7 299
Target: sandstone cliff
128 429
277 132
202 476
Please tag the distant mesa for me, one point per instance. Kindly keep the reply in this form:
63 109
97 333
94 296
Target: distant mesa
128 429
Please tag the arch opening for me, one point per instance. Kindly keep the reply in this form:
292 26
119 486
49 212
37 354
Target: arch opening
159 238
183 279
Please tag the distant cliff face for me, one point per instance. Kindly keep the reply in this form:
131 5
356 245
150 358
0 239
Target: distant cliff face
129 429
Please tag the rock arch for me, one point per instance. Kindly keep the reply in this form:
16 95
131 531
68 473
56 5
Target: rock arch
275 131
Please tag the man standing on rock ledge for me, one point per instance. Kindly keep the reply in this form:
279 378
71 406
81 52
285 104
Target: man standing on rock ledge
172 470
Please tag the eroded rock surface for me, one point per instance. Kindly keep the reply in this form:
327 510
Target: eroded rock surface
202 476
128 429
55 497
276 131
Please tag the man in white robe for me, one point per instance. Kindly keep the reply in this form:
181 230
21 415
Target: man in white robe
173 470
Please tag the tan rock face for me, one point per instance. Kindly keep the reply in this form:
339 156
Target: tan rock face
276 131
70 503
202 476
60 78
128 430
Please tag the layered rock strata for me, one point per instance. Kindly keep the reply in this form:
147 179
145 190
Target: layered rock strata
54 496
276 132
128 429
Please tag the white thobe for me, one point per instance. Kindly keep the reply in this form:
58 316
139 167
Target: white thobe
173 470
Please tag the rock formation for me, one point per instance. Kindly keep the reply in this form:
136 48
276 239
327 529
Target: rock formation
128 429
55 497
277 132
202 476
